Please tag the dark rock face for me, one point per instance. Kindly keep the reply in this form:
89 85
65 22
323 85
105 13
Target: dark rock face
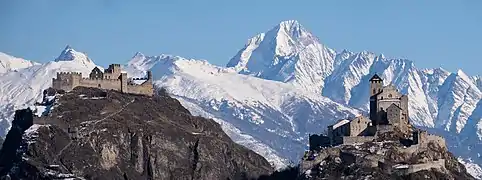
8 156
95 134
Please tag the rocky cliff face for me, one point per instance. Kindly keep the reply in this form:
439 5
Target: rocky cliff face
92 134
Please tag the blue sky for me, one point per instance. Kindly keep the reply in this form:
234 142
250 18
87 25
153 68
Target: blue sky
432 33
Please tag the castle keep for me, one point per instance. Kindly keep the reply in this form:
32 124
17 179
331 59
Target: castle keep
388 114
112 78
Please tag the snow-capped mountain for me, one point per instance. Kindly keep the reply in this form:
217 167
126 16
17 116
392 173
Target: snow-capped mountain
25 86
286 53
457 99
10 63
437 98
267 114
283 85
478 81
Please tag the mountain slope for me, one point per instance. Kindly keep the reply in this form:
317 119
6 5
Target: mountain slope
273 113
457 99
286 53
25 86
291 54
10 63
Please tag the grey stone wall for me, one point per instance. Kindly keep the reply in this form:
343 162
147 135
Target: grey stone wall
385 128
359 125
438 164
145 88
113 84
357 139
394 115
67 81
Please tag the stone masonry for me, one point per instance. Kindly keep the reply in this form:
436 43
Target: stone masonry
112 78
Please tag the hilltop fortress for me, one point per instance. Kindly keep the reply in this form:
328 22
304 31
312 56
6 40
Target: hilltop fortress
112 78
388 116
388 124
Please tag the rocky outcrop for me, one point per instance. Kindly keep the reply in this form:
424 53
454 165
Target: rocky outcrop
383 159
94 134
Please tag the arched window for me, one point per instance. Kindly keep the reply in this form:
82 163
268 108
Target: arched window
374 91
98 85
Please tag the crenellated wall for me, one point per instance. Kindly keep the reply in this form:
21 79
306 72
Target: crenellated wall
66 80
69 80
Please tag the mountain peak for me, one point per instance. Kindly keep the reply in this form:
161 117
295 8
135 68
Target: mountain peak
289 24
67 47
138 54
69 54
291 30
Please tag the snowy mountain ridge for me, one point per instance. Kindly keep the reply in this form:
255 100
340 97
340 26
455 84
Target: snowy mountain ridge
10 63
286 53
24 87
280 87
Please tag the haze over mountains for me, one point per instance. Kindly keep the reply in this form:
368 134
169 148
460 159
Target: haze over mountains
281 86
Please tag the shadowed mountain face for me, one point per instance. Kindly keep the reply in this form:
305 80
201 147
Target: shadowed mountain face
93 134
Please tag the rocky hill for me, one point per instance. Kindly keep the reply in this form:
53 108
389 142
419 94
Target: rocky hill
94 134
385 158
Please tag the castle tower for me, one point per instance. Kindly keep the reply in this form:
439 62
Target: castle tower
376 85
123 78
404 106
149 76
113 72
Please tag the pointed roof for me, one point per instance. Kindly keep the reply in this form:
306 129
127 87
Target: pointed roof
96 69
376 78
394 106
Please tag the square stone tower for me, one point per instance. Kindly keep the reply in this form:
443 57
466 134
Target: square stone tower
113 72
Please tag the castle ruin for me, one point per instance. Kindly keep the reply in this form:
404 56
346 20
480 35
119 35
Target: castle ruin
112 79
388 114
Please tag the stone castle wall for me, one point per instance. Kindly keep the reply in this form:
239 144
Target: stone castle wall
357 139
412 168
144 88
66 80
69 80
385 128
111 84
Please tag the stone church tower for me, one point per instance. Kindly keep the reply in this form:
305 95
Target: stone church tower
376 85
387 105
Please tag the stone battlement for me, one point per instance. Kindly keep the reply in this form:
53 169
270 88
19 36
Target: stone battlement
112 79
101 79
